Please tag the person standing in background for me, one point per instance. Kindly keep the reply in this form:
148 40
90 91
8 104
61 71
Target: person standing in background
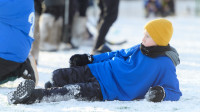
108 15
168 8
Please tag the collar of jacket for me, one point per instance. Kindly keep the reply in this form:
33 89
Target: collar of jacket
154 51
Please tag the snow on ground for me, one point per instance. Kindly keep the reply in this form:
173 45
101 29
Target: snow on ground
129 26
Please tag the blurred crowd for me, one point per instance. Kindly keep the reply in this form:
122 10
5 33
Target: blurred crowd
65 24
161 8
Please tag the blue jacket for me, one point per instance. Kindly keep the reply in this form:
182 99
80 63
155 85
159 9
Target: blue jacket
127 74
16 29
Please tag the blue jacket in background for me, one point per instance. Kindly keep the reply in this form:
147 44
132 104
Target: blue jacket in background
157 3
16 29
127 74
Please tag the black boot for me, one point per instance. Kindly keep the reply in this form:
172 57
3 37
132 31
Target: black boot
25 93
48 85
28 70
102 49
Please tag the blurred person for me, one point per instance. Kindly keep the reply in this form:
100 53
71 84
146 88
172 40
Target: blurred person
55 34
16 37
152 7
80 32
168 8
108 15
69 13
76 32
51 25
146 70
57 24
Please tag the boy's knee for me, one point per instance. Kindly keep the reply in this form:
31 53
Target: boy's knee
59 78
53 82
57 75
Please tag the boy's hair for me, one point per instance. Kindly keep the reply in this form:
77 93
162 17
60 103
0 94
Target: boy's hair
160 30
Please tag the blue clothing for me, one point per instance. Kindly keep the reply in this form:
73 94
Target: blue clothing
127 74
16 29
156 2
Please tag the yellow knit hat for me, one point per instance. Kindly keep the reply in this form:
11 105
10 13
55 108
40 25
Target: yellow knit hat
160 30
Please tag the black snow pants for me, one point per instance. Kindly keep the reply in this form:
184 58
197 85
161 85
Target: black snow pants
74 83
8 70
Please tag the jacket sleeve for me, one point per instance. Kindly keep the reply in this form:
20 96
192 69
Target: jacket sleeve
171 94
124 53
170 84
172 91
103 56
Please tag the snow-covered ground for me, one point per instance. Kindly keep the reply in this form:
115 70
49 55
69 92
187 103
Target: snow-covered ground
129 26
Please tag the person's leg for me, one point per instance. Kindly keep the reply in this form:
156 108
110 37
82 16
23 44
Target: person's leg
81 91
6 67
83 5
63 76
79 28
26 94
68 22
51 25
109 13
9 70
172 7
35 46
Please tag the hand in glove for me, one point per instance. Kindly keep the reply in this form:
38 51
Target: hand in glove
155 94
80 60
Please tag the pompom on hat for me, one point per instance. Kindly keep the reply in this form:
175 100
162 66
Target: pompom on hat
160 30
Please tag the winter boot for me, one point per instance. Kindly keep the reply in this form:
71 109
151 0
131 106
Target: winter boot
102 49
25 93
48 85
28 69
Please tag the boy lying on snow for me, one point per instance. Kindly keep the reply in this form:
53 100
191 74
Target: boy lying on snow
142 71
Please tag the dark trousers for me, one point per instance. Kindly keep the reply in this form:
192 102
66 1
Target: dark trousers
75 82
82 7
8 70
108 15
38 6
74 5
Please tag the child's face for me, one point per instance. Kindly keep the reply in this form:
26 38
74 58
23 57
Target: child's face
147 41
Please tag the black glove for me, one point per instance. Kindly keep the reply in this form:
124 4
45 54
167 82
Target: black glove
80 60
155 94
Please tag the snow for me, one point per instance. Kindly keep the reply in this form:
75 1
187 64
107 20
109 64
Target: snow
129 26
